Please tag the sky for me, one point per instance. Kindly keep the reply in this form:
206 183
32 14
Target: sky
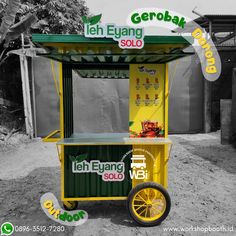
116 11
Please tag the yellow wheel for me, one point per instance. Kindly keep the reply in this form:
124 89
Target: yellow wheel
70 205
149 204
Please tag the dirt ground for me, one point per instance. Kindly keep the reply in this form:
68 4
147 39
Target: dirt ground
202 186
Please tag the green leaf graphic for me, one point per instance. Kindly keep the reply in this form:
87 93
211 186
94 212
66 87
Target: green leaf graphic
131 123
161 132
72 158
81 157
95 19
85 19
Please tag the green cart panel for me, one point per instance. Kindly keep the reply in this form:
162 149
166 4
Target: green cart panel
91 184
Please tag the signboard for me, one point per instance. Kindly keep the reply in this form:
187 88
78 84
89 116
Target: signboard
146 101
127 37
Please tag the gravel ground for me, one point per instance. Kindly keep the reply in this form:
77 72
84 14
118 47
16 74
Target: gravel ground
202 185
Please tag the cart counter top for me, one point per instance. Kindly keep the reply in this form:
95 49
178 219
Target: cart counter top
110 139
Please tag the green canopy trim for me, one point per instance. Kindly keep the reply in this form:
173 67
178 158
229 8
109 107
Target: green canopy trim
96 57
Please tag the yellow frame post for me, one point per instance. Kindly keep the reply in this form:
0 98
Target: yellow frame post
61 127
61 100
166 149
166 99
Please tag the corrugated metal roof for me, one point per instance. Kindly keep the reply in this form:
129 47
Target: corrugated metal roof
223 19
97 52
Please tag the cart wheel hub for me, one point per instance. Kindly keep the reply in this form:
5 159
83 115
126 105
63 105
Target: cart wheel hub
149 202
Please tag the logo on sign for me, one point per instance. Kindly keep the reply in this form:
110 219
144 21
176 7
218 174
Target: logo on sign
110 171
146 70
138 167
126 36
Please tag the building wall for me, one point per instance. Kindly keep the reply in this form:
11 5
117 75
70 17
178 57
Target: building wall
186 96
233 115
222 88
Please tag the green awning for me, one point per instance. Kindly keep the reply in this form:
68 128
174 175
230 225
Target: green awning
102 57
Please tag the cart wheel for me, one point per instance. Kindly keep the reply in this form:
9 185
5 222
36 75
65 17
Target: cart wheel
149 204
70 205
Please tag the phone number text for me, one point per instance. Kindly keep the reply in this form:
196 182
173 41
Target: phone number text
39 228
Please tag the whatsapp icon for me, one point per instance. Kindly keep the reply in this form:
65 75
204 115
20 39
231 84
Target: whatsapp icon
7 228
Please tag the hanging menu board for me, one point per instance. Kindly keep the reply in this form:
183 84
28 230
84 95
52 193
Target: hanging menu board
146 102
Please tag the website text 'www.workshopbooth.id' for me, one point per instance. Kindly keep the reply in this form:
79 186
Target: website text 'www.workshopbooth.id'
203 229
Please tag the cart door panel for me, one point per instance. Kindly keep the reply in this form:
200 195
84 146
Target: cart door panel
89 184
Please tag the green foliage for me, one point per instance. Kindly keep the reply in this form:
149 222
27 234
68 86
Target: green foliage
54 17
8 17
57 16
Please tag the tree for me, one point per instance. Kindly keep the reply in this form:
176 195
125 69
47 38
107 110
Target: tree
38 16
24 17
8 18
58 16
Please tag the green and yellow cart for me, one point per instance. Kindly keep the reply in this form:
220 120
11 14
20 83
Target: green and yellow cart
128 166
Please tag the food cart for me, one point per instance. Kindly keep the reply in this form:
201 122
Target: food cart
128 166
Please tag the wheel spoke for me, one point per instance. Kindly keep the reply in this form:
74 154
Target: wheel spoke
155 212
142 211
157 203
140 204
149 212
156 209
149 194
140 207
145 195
146 212
141 198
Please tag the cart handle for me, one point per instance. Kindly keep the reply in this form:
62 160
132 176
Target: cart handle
50 137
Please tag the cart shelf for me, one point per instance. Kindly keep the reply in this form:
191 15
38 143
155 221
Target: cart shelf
110 139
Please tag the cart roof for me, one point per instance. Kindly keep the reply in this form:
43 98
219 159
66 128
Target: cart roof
95 54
